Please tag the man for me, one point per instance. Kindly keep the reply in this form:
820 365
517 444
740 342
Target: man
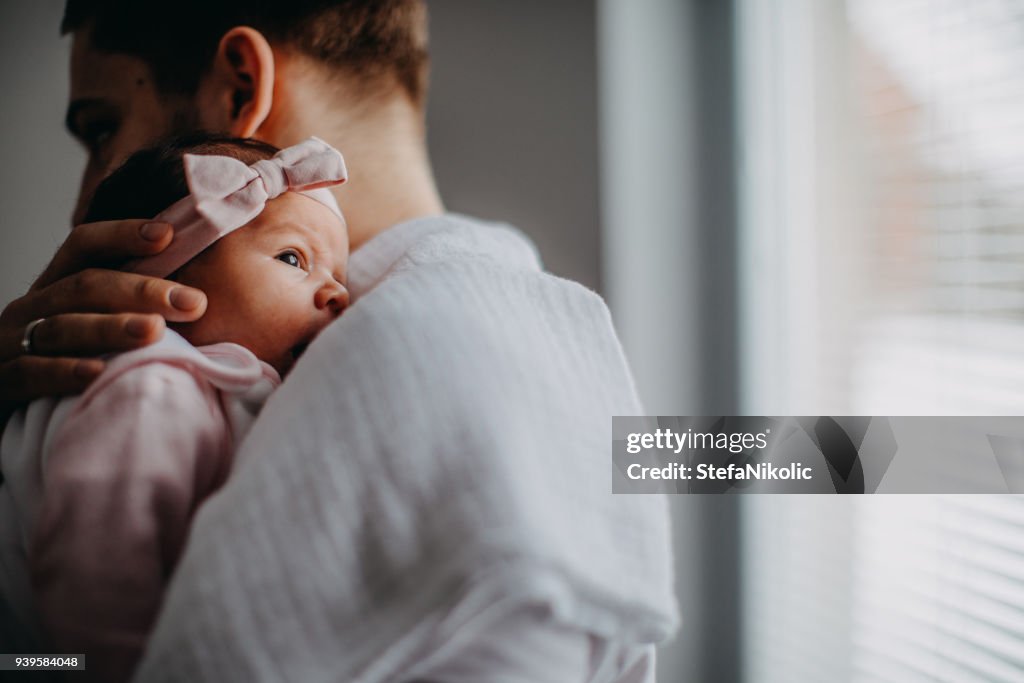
428 496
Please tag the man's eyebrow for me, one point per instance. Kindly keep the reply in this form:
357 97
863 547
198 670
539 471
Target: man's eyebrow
76 107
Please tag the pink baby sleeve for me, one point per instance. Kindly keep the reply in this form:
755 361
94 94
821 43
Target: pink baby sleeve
121 482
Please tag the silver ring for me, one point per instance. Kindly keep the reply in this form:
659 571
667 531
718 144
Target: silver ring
26 339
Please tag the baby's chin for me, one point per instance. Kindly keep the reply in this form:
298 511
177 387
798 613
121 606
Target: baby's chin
287 360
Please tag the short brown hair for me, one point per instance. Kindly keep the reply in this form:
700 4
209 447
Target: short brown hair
379 42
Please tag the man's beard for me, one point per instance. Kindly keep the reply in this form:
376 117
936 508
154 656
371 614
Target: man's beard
184 116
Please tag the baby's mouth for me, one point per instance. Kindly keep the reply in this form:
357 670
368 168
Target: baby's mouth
300 348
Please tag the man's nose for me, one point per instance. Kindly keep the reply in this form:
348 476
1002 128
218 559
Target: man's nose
90 179
332 296
79 213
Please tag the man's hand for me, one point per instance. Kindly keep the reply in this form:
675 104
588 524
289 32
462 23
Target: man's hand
88 310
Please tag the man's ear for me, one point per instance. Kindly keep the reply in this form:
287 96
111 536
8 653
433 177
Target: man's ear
237 92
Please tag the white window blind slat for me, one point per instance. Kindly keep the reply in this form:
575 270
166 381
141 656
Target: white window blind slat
921 588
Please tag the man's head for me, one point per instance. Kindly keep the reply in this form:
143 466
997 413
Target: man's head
141 71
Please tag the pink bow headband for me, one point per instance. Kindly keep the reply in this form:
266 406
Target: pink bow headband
225 194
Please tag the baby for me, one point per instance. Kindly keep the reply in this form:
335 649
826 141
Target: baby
100 489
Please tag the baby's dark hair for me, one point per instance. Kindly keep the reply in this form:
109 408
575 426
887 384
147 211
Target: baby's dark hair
154 178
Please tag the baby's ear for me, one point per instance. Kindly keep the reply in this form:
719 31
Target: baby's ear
237 92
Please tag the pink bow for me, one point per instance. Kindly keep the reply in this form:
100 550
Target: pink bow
226 194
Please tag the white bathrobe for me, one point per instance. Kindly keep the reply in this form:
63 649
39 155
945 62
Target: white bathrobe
428 495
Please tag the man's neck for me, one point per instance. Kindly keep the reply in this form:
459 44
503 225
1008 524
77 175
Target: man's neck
390 178
390 181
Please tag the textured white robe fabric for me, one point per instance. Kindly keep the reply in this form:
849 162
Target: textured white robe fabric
438 461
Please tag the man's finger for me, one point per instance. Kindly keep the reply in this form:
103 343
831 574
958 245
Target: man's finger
110 291
88 334
105 243
30 377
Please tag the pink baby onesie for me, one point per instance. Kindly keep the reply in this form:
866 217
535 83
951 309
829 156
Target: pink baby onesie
104 497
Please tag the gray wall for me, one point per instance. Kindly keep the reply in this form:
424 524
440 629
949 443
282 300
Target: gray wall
41 165
513 121
512 125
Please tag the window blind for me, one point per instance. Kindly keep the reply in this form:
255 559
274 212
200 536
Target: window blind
916 306
886 588
941 89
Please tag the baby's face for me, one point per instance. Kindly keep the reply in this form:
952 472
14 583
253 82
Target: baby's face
273 284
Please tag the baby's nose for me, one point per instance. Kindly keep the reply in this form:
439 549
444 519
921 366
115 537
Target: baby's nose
332 296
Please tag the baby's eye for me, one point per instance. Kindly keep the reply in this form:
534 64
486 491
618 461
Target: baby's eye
291 258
